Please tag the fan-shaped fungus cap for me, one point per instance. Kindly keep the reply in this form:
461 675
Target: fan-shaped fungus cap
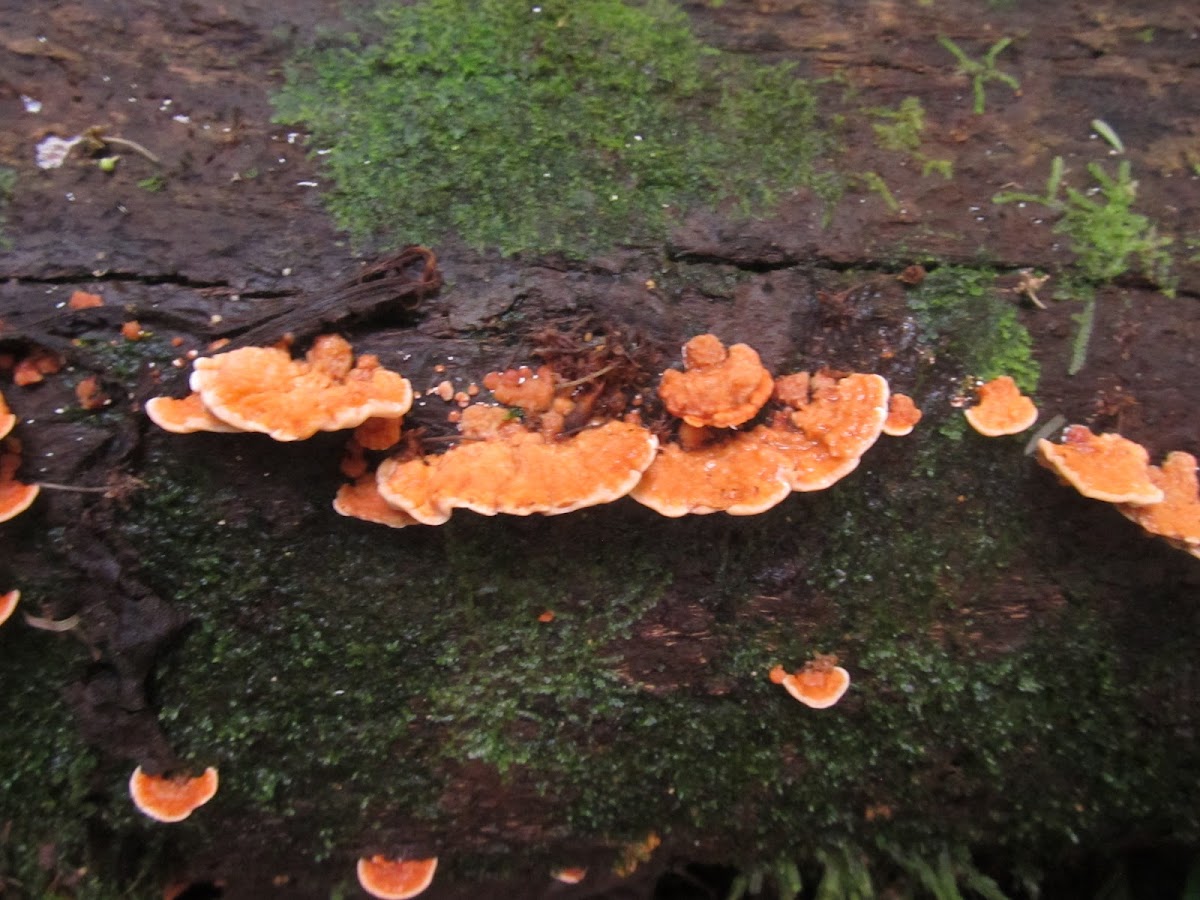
1002 408
823 440
1177 517
569 875
171 798
185 416
719 387
520 473
263 389
739 476
361 500
15 497
820 684
531 391
1104 467
902 416
395 879
8 604
7 419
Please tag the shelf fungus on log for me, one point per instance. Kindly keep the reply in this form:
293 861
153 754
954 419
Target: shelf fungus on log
7 419
171 798
823 436
15 496
263 389
360 499
819 684
719 387
1177 517
1001 408
8 605
737 475
517 472
1104 467
185 416
902 416
395 879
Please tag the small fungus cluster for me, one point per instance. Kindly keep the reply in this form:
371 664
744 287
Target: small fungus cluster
742 439
1164 500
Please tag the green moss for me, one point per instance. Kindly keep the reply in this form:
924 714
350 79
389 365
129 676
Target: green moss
560 126
962 316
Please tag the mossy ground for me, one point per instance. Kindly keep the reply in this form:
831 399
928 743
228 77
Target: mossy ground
552 127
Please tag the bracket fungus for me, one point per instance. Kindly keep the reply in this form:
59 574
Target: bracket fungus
185 416
520 472
166 798
1002 409
8 605
820 684
1104 467
718 387
822 439
902 416
15 496
738 476
7 419
1177 517
531 391
263 389
361 500
395 879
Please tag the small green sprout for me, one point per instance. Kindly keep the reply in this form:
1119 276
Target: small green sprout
981 71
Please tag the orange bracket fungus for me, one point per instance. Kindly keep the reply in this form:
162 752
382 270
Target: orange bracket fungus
902 416
1104 467
361 500
520 472
531 391
1002 409
738 476
15 497
820 684
1177 517
570 875
822 439
167 798
263 389
8 604
718 387
7 419
395 879
185 416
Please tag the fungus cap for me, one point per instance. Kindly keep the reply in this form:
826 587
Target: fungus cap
902 416
171 798
1104 467
8 604
718 387
823 440
1177 517
531 391
1002 408
395 879
7 419
378 433
361 500
570 874
263 389
15 497
185 416
740 476
519 472
820 684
